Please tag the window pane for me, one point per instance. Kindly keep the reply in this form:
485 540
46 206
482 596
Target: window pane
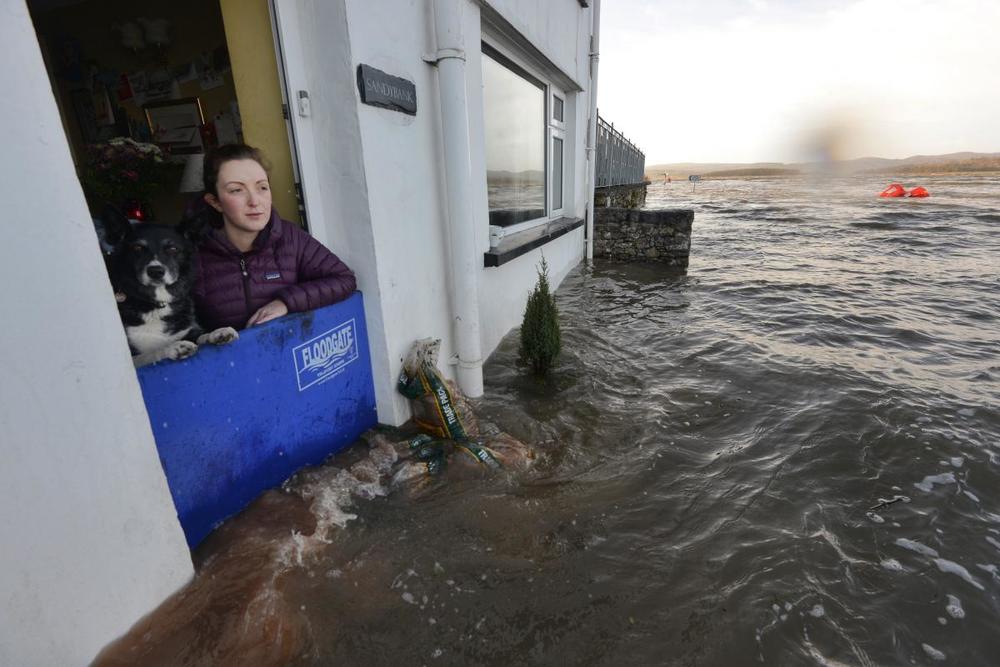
557 108
514 118
557 172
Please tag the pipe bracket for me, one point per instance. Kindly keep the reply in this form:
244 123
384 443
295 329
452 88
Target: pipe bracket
444 54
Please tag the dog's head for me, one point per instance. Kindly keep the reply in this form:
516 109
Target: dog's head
150 254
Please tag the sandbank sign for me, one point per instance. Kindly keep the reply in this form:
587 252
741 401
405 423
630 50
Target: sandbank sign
384 90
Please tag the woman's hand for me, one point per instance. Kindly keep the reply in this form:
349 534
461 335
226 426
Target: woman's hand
268 312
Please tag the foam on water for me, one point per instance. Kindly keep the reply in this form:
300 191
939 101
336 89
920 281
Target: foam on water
718 442
956 569
954 607
892 565
917 547
933 653
930 481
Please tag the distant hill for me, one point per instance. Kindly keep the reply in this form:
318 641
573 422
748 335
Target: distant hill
964 162
880 164
752 171
685 169
970 165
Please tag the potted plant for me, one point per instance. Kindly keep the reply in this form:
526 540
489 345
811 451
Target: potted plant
540 336
125 173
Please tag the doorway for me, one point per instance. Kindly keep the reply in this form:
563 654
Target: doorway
144 88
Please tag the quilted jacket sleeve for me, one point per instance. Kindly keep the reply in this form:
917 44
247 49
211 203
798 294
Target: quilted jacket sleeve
322 278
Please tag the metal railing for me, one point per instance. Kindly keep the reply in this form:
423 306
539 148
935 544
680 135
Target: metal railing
619 161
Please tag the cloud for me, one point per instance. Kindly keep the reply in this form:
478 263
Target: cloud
746 81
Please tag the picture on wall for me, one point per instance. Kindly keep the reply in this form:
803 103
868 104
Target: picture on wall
175 125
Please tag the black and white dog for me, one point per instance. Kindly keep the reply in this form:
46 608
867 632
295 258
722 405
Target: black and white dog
152 271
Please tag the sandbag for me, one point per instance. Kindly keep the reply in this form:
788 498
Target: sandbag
439 408
450 444
424 463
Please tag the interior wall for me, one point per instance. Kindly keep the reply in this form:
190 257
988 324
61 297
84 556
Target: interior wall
241 27
88 28
91 541
196 27
255 76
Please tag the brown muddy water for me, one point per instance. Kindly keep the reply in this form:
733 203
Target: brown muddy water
789 455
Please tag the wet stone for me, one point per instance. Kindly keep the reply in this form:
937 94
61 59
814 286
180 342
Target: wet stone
653 235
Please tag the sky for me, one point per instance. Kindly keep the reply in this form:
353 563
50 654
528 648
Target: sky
794 80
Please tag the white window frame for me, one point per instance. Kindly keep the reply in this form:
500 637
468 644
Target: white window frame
553 130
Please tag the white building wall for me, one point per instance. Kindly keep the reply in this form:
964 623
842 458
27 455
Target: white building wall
91 541
405 170
382 173
554 27
560 30
90 538
317 46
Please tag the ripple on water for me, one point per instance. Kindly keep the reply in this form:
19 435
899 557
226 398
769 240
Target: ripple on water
725 458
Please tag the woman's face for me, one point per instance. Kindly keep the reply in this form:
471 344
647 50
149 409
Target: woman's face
244 197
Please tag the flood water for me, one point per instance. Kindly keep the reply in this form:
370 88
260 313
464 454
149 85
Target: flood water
712 445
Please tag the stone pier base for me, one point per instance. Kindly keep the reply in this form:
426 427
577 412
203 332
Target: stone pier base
623 196
647 235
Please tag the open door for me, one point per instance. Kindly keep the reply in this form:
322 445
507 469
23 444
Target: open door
298 109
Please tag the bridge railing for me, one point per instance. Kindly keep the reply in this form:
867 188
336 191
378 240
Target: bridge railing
619 161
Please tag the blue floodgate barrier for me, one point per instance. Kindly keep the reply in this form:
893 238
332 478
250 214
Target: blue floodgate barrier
235 420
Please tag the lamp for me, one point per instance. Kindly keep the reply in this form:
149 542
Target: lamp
191 180
131 35
156 31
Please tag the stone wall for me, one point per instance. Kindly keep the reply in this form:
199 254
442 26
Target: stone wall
620 196
657 235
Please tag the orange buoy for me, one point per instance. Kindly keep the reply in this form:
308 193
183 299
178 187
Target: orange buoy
894 190
918 191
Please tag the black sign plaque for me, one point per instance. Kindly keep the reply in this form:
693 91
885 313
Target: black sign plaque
384 90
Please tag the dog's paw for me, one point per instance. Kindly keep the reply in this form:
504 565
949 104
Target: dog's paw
220 336
182 349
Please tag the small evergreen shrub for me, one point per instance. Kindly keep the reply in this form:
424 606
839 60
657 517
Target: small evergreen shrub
540 338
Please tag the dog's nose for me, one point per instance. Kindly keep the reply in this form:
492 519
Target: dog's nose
156 272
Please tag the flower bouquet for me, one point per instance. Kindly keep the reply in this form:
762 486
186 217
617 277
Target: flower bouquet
124 172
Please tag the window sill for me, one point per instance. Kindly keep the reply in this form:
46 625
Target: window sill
519 243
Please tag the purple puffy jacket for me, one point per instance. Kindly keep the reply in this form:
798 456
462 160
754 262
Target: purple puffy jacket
285 263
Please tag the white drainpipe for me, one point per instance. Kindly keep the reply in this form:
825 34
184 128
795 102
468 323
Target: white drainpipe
466 257
595 43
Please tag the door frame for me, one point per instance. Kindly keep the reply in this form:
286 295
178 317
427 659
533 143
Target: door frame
301 132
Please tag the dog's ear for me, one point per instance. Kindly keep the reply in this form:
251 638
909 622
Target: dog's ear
195 226
112 226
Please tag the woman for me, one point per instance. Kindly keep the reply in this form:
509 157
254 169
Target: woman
252 265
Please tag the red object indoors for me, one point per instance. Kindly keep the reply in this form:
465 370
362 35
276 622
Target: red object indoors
135 211
919 191
894 190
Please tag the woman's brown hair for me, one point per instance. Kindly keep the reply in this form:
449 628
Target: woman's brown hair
215 158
